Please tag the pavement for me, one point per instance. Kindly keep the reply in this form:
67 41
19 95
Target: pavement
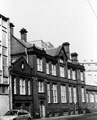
66 116
60 117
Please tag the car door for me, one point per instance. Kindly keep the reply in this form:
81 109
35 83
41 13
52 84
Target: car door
25 115
20 115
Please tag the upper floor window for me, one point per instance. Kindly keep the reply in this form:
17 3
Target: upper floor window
63 94
55 97
4 40
14 82
83 94
70 94
82 76
29 87
74 94
47 68
48 93
39 64
40 86
54 69
69 74
4 90
22 86
73 75
62 71
61 60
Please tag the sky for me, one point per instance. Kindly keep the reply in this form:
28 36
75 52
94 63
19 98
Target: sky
56 21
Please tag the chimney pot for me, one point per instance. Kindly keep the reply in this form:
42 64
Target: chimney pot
23 33
74 57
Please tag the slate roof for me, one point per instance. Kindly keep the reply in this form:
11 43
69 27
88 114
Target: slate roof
25 44
53 51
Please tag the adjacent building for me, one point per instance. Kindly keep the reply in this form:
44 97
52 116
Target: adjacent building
90 72
4 63
91 84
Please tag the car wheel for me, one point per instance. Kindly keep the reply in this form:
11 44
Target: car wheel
29 119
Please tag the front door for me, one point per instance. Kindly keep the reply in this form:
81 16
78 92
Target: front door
42 109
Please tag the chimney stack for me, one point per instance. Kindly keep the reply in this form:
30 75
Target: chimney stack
66 47
74 58
11 28
23 33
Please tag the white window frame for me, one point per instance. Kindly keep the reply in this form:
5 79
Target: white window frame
40 86
22 86
62 71
63 94
82 76
47 68
39 64
48 93
73 75
55 96
75 95
15 90
70 94
61 60
69 74
29 87
54 69
83 94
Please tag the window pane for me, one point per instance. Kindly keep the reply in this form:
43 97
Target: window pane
4 38
75 94
47 68
29 87
83 94
4 51
53 69
55 99
40 86
48 91
70 95
63 94
62 71
39 64
69 75
22 87
73 75
14 85
4 60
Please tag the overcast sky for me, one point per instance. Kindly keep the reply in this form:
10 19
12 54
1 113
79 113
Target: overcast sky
56 21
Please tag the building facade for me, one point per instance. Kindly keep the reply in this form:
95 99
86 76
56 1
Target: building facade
58 78
42 79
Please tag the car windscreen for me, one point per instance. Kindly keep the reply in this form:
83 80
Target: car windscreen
11 113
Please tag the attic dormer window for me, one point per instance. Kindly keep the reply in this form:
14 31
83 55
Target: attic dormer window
61 60
22 66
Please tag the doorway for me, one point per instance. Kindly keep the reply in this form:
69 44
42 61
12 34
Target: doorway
42 109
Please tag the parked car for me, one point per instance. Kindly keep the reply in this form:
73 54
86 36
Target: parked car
16 115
